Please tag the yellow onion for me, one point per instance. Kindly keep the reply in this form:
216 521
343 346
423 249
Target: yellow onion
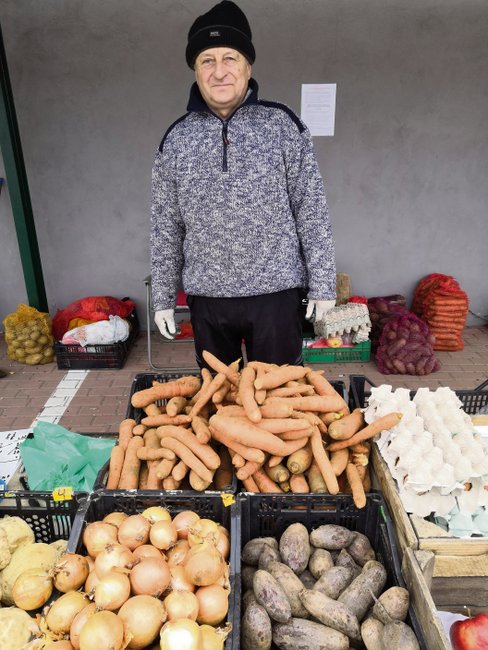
156 513
112 590
163 535
143 617
78 622
113 557
181 604
203 530
213 604
62 612
183 634
115 518
102 631
150 577
204 565
70 572
32 589
91 582
134 531
97 536
147 550
177 554
91 563
64 644
183 521
223 542
179 581
213 639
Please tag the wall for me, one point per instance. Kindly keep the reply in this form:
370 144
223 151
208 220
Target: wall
97 83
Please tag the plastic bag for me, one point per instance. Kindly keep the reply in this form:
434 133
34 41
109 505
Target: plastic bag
104 332
93 309
28 336
406 347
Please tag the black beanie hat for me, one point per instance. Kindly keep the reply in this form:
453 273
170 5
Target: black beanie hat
223 25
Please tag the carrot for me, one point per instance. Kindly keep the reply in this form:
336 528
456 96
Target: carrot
187 455
206 395
320 384
151 439
139 430
153 482
250 485
386 422
164 418
311 417
291 391
248 453
232 410
280 425
262 365
360 448
165 467
365 476
264 483
182 387
347 426
223 474
129 476
197 482
143 476
175 405
125 432
179 471
170 484
221 367
318 403
247 470
278 473
281 375
206 379
115 467
295 434
220 394
203 451
298 484
275 460
276 410
328 418
246 393
144 453
323 462
152 409
315 479
300 460
259 395
357 489
238 461
200 427
339 460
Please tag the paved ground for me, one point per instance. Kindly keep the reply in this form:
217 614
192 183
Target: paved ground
101 400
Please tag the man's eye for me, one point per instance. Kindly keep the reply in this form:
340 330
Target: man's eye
230 60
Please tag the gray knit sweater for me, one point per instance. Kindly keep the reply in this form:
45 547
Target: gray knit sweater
238 206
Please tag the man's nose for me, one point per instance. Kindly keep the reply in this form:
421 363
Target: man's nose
220 69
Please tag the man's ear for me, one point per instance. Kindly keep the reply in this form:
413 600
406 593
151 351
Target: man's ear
248 71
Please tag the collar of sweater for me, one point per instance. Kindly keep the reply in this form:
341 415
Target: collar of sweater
197 104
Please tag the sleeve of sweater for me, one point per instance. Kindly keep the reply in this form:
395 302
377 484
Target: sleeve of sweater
309 205
167 232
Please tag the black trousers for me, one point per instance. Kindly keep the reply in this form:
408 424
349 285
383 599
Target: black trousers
269 326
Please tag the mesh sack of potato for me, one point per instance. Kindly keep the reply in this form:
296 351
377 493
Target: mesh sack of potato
28 336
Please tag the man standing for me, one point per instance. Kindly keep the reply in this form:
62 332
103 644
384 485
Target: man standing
239 213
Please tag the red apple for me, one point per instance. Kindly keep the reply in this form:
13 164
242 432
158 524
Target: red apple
470 634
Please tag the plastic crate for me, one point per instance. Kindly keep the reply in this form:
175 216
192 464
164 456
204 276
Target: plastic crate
98 505
360 352
269 515
97 357
49 519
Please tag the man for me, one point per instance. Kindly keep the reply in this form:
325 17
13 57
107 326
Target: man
239 212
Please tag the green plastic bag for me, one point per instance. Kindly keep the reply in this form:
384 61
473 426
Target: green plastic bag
56 457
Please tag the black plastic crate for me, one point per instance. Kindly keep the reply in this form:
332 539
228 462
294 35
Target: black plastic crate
49 519
360 390
100 504
269 515
97 357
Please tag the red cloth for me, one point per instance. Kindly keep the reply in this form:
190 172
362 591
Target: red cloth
92 308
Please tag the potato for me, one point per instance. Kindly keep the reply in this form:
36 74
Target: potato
360 549
360 594
307 579
295 547
301 634
248 598
33 359
331 537
292 586
395 601
30 556
331 613
247 575
18 532
333 582
271 596
5 554
252 550
320 562
344 559
399 636
43 339
16 628
268 555
371 633
35 334
256 633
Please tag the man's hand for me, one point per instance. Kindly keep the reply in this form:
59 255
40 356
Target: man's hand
317 309
165 320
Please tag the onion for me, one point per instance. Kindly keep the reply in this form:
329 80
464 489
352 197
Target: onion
143 617
114 556
213 639
78 622
181 604
134 531
62 612
59 645
97 535
181 635
179 581
223 542
156 513
103 631
147 550
183 521
115 518
70 572
177 554
91 582
203 530
112 590
32 589
204 565
213 604
91 563
224 580
150 577
163 535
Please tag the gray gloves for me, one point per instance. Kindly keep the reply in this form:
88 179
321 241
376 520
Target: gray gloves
317 309
165 320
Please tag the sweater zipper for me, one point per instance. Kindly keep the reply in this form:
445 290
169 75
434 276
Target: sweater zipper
225 144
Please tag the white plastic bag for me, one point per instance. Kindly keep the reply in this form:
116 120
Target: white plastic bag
104 332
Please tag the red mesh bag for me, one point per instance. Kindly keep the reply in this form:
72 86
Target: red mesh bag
93 309
406 347
381 309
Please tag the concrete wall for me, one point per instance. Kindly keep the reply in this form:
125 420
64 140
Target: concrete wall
97 83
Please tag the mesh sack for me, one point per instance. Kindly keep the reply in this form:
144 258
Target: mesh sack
381 309
28 336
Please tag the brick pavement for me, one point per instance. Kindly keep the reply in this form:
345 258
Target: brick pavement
101 401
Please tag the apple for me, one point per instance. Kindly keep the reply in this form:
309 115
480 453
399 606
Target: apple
471 633
334 342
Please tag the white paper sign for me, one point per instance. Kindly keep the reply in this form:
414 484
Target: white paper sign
10 453
318 108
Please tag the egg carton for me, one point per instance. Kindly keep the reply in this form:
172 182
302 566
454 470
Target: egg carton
351 318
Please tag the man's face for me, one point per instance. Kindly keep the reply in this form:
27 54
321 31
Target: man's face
222 75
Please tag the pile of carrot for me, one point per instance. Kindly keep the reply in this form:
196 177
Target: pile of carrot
282 429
